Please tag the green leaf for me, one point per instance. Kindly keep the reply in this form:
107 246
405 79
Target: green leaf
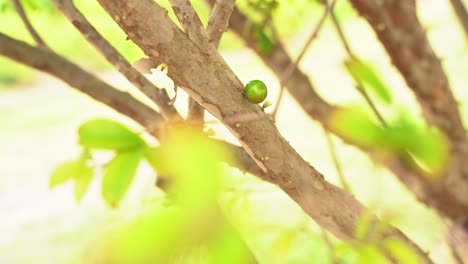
118 176
371 254
401 252
103 133
64 172
264 42
155 158
355 125
428 146
82 182
363 225
364 74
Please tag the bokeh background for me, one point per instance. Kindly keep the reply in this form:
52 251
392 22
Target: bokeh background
39 116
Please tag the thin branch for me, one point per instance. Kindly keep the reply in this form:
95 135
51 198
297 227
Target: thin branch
191 24
359 86
336 161
218 21
47 61
20 10
290 69
157 95
461 13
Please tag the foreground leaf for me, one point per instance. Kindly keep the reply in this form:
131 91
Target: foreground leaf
64 172
355 125
118 176
364 74
101 133
82 182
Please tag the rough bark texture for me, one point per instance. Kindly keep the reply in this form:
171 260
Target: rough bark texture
208 80
399 30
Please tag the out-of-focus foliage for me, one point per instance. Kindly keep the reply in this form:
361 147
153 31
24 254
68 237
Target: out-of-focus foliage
191 222
403 136
78 170
373 246
365 76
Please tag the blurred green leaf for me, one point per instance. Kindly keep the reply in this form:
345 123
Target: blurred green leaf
82 182
364 74
363 225
118 176
371 254
155 158
64 172
284 243
346 253
355 125
401 252
101 133
427 145
264 42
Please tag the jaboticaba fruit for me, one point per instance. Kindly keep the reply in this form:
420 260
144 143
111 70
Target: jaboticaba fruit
255 91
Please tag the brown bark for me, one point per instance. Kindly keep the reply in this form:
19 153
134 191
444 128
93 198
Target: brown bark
208 80
157 95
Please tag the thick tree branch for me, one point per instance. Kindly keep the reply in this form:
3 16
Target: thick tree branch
448 196
157 95
461 13
20 10
212 84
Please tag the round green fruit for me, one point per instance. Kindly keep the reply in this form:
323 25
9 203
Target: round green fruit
255 91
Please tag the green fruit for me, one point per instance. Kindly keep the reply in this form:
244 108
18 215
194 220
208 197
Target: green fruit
255 91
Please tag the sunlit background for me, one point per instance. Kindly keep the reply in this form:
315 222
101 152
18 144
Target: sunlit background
39 116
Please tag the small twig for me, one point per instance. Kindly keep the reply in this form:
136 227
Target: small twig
359 86
329 245
20 10
191 24
218 21
157 95
336 161
290 69
461 13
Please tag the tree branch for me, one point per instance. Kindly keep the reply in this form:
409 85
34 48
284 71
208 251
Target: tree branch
20 10
218 21
157 95
214 86
461 13
294 65
47 61
448 197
